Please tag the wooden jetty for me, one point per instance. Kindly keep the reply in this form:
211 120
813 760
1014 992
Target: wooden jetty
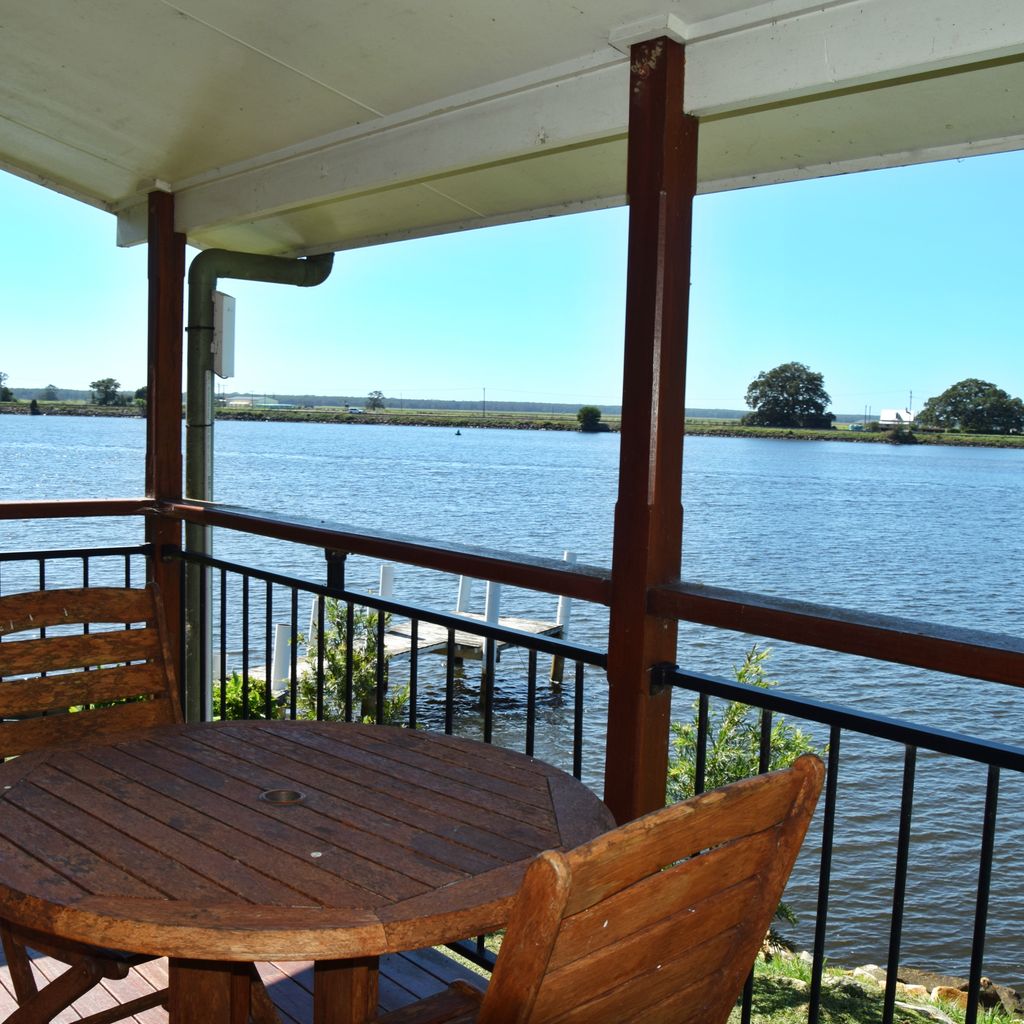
433 639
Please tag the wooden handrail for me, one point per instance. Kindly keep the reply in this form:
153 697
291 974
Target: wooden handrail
549 575
974 654
978 655
75 508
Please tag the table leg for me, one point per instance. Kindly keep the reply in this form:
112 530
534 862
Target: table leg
344 991
215 992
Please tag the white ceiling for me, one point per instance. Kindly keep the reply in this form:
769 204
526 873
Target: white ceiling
324 124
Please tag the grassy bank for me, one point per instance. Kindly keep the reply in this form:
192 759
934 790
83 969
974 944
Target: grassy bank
532 421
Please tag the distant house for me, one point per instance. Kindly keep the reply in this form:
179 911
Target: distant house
895 418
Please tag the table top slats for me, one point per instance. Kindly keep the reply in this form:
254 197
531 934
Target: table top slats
454 799
509 786
21 871
157 841
415 852
188 868
81 812
282 876
471 824
57 854
293 829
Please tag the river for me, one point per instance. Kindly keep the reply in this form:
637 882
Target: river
931 533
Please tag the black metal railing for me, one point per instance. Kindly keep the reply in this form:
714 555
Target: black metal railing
903 736
73 567
248 606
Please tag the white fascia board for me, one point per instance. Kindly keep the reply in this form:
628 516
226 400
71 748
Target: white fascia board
798 53
853 165
565 106
852 44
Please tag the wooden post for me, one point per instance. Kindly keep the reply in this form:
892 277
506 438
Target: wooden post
163 403
661 183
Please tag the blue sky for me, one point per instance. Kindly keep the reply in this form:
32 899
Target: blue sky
886 282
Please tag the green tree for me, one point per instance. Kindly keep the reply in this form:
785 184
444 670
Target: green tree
589 417
6 394
105 391
49 394
975 407
791 395
364 669
375 400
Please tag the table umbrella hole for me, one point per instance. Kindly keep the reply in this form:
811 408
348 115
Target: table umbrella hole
282 796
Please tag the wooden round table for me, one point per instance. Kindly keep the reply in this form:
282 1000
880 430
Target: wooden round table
221 844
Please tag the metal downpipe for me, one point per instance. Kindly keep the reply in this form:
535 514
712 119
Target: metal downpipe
204 272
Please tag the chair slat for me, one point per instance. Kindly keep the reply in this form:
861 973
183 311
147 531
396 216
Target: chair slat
44 608
19 737
54 653
22 697
678 940
691 884
647 996
621 857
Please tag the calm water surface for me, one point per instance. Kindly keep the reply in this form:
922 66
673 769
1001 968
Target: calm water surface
930 533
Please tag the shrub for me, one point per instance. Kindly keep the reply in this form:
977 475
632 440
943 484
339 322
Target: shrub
364 669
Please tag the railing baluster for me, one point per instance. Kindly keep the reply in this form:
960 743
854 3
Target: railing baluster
223 635
320 608
700 767
293 674
268 625
381 669
988 836
449 684
899 889
245 646
531 702
577 734
350 632
414 656
828 825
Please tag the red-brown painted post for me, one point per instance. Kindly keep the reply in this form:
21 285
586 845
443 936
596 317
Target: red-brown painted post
647 551
163 406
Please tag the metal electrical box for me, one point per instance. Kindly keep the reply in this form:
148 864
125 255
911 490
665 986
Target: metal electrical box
223 334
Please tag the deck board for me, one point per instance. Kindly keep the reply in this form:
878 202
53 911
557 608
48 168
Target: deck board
404 977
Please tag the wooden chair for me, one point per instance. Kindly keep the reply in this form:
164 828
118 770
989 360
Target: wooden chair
118 679
658 921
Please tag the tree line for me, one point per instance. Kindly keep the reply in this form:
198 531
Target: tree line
793 395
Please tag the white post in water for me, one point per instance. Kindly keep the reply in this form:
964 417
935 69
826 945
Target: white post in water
281 661
492 606
562 616
387 579
465 594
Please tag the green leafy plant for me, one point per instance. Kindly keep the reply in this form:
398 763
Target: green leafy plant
734 738
733 750
336 645
234 699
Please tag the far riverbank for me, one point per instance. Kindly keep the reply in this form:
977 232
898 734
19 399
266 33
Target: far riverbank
530 421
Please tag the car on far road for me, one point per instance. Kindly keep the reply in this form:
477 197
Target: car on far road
354 410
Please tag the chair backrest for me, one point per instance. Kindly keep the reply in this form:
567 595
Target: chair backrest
109 659
659 920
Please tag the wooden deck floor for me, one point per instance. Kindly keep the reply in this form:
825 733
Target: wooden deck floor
404 978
